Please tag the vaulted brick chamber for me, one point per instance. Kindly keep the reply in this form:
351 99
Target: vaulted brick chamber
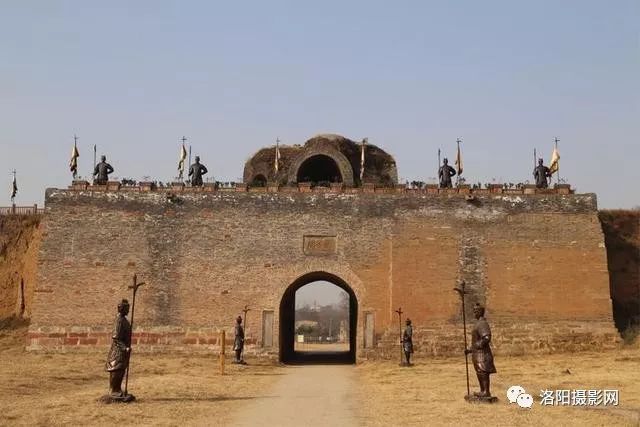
322 159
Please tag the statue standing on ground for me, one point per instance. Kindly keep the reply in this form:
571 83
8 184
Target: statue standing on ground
196 171
118 357
445 173
102 170
238 341
407 342
541 173
480 351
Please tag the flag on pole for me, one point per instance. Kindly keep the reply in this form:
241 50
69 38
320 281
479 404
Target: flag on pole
73 164
459 160
555 161
183 157
14 187
364 141
277 159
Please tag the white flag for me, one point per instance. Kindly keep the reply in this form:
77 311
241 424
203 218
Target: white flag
183 156
14 188
364 141
277 159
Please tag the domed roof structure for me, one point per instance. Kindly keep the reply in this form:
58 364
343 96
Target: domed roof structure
322 159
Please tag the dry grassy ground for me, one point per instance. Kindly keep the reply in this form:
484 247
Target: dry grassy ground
56 389
431 392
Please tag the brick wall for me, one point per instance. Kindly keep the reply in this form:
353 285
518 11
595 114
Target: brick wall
204 256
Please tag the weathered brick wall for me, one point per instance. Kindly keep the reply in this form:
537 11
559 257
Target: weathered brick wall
536 260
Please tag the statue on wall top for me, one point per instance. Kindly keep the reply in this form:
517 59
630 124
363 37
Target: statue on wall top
445 173
102 170
541 173
196 171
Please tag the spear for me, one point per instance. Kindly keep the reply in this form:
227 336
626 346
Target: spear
462 293
135 287
244 310
399 311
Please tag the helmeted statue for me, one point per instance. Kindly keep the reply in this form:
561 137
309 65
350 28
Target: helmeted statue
445 173
238 341
196 171
480 351
541 173
118 357
102 170
407 342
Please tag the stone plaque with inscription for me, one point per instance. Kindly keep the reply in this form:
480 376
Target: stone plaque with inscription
319 245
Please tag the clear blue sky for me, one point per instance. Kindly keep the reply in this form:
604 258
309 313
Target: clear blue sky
506 76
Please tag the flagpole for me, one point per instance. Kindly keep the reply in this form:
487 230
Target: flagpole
558 162
14 191
95 149
438 170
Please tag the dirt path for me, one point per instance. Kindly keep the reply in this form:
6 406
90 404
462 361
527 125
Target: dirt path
311 395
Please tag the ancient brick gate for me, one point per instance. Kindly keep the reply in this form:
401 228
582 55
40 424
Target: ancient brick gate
206 253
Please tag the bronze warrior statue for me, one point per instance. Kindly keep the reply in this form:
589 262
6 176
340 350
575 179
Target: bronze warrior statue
196 171
445 173
118 358
480 351
541 173
102 170
407 342
238 341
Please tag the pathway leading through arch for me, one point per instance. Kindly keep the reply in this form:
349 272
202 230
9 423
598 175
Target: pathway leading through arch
287 323
310 395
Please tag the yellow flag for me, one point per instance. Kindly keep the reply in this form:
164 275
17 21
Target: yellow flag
555 161
73 163
183 156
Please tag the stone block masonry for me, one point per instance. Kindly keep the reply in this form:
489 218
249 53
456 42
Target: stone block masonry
536 260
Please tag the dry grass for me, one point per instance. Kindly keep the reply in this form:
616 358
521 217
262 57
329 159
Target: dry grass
56 389
431 393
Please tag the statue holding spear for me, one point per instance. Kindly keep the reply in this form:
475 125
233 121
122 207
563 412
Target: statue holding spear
119 357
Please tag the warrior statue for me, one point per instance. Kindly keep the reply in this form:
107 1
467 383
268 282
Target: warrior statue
196 171
238 341
445 173
480 351
541 173
407 342
102 170
118 358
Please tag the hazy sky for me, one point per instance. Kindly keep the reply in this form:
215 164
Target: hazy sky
506 76
320 293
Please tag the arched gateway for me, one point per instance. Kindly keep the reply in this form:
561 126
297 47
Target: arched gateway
287 322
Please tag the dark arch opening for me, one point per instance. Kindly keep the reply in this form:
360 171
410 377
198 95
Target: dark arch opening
288 354
259 181
319 169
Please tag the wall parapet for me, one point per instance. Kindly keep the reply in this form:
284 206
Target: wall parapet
305 187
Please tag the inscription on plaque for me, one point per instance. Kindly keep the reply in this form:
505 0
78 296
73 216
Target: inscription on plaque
319 245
